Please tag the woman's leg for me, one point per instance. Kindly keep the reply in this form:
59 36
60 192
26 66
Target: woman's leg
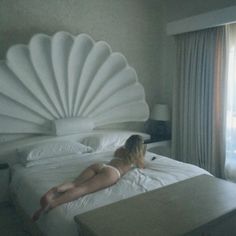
37 214
105 178
87 174
47 198
44 203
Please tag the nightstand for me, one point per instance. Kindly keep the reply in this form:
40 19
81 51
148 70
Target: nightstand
160 147
4 181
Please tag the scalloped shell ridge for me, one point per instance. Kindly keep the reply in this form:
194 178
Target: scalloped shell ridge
64 76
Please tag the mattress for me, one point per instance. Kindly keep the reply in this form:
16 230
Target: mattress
29 184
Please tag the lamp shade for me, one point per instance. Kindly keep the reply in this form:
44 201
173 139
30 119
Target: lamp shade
160 112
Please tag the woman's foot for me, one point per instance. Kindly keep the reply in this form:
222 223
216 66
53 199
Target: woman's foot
37 215
39 212
48 197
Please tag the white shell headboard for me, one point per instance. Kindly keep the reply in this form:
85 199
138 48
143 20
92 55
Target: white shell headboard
64 77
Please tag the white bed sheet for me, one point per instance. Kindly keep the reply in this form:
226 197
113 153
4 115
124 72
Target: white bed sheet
28 184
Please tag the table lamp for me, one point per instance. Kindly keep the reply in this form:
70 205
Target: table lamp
160 122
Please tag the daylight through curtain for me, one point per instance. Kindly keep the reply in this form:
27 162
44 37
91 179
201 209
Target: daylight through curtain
231 105
199 98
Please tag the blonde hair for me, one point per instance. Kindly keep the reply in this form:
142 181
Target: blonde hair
136 149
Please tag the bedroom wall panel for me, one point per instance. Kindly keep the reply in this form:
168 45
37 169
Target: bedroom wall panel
131 27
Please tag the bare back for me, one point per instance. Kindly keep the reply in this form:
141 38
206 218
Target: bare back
120 165
119 161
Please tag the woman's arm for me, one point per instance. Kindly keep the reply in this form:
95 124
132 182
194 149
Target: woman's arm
140 164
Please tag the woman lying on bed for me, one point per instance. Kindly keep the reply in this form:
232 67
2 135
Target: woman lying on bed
96 176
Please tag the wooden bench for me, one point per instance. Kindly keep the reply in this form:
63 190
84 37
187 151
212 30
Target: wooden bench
203 205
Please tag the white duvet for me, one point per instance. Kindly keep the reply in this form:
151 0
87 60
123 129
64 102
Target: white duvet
28 184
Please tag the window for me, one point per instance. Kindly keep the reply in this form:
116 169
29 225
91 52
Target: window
230 168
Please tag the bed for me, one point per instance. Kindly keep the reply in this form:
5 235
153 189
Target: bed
60 97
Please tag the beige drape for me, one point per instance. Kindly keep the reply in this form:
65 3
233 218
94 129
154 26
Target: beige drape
199 97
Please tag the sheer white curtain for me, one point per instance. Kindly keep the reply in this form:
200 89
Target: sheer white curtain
231 105
198 133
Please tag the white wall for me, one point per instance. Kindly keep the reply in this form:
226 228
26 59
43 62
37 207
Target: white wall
132 27
179 9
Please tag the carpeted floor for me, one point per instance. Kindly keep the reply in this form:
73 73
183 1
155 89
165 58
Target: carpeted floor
10 223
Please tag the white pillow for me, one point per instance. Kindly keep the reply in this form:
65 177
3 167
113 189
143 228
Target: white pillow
51 149
54 161
109 141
